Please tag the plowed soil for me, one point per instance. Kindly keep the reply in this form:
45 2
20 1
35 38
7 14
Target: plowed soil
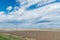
37 35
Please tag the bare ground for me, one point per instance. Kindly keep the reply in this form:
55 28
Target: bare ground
36 35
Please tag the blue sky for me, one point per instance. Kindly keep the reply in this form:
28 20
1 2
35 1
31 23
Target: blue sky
5 3
29 13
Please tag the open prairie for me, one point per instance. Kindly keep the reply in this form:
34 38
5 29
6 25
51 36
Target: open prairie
36 34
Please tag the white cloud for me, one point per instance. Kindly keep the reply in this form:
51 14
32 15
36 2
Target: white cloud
2 12
33 18
28 3
9 8
44 2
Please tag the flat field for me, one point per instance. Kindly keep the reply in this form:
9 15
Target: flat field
4 36
36 34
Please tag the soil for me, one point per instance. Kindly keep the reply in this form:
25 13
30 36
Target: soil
37 35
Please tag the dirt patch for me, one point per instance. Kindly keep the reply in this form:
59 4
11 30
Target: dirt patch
37 35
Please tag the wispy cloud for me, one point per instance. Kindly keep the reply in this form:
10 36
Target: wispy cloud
9 8
44 17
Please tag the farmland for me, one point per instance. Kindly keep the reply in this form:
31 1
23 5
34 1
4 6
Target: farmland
4 36
36 35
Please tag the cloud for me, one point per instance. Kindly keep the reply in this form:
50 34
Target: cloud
44 17
44 2
9 8
1 12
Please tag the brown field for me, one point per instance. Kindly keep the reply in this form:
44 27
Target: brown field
36 35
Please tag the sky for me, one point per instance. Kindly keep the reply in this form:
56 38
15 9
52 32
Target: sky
29 13
4 4
12 3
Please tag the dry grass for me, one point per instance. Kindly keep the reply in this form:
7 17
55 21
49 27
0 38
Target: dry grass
39 34
4 36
